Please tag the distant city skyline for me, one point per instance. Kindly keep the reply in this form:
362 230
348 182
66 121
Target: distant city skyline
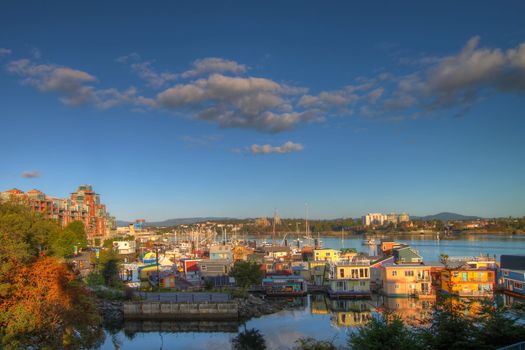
189 110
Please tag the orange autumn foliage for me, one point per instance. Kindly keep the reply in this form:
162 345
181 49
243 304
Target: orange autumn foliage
46 304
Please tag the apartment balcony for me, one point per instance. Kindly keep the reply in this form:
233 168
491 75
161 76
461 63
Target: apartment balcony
352 263
422 278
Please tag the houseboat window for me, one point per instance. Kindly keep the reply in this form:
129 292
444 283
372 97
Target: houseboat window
518 285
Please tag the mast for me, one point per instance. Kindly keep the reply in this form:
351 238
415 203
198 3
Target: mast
306 220
276 219
342 239
273 232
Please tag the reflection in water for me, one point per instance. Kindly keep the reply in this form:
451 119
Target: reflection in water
315 316
413 311
350 313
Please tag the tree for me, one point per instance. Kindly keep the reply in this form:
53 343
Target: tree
65 240
48 307
107 270
313 344
497 326
250 339
384 333
450 328
42 304
247 273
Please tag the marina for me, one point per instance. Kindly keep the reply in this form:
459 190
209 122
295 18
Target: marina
325 316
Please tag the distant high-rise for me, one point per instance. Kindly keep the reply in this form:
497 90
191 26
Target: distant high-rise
378 219
83 205
404 217
371 219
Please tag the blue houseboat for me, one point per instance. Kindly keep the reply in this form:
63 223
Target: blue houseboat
513 274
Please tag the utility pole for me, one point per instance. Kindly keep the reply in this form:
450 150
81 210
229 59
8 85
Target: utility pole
157 260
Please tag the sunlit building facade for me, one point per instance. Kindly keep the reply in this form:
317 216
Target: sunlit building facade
83 205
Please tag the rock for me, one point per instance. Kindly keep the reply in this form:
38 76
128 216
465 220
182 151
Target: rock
255 300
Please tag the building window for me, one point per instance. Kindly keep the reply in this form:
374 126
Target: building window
394 273
409 273
366 272
396 286
361 273
342 273
362 283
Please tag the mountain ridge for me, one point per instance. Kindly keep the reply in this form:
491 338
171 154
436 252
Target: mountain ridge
443 216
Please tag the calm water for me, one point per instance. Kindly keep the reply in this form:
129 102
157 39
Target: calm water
314 316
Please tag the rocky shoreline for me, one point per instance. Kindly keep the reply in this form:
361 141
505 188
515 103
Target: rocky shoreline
255 306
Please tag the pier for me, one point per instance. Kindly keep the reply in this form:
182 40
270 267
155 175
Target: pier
171 310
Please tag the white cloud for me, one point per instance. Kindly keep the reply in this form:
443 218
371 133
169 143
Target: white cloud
238 102
210 65
287 147
470 67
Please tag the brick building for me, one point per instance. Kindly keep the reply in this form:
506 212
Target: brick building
83 205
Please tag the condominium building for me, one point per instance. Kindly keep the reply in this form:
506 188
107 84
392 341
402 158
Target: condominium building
378 219
83 205
374 219
403 217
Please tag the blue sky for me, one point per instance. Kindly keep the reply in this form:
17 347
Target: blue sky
236 108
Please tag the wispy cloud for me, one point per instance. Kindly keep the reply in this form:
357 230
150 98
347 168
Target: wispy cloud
200 141
74 87
211 65
146 71
30 174
452 82
462 79
5 52
286 147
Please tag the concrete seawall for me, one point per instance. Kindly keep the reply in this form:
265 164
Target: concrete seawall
167 310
